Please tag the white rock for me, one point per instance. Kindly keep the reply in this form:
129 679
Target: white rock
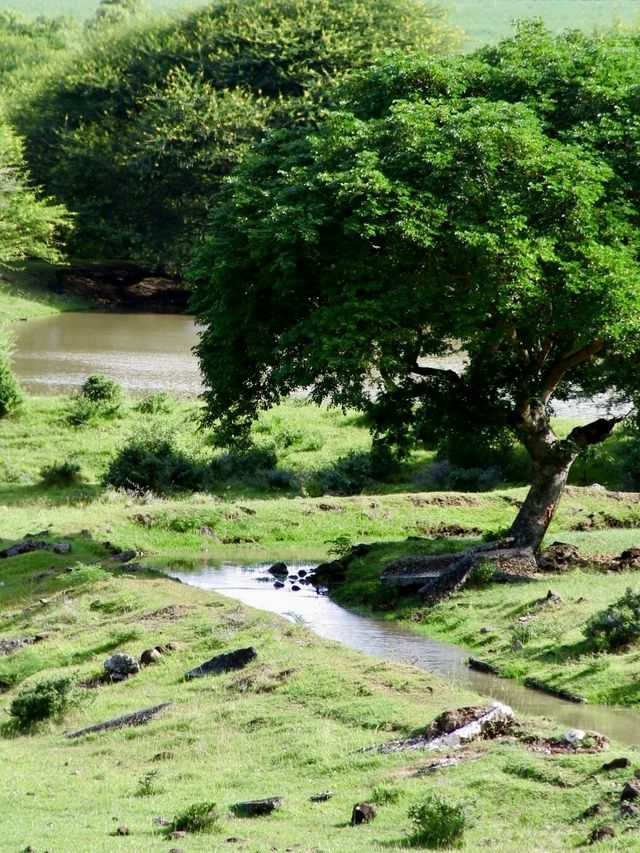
574 735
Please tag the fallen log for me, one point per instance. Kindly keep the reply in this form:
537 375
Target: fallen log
137 718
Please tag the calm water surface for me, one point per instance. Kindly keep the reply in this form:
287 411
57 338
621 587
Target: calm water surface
144 352
387 640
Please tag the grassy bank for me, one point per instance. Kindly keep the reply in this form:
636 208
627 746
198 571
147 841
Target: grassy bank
291 724
25 293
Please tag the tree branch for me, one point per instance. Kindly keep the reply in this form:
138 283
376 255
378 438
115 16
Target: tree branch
594 432
436 372
571 359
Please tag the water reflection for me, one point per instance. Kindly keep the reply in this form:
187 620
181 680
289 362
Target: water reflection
393 642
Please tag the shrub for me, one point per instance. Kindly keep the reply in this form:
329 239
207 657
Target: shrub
100 389
482 574
150 460
618 624
437 822
239 465
281 479
10 391
154 404
81 411
64 474
443 475
199 817
48 699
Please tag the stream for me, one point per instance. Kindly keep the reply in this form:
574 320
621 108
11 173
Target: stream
385 639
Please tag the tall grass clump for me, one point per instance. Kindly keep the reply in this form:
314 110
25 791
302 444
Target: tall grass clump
437 822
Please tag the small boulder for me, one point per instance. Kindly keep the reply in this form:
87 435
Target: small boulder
279 570
321 797
629 809
558 557
362 813
574 735
257 808
123 830
616 764
601 833
124 556
121 666
631 790
592 811
278 585
295 588
150 656
61 548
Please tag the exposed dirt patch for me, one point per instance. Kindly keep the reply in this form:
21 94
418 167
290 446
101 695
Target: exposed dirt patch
444 529
170 613
443 500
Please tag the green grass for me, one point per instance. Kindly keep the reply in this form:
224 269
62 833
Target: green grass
25 293
291 724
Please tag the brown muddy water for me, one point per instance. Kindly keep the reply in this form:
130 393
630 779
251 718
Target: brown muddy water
252 586
144 352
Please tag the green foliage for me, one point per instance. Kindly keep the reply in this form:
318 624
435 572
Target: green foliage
438 822
136 133
27 45
81 411
154 404
29 226
150 460
353 473
616 625
100 389
442 475
42 701
482 574
65 473
10 391
198 817
243 464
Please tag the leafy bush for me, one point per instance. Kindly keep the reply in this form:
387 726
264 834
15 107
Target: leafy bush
281 479
199 817
447 477
150 460
437 822
10 392
154 404
618 624
482 574
100 389
64 474
48 699
352 473
240 465
81 411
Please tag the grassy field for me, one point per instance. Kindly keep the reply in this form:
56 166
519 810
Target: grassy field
482 20
291 724
25 293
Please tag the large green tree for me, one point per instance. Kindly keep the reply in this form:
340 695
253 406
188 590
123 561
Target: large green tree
488 203
136 133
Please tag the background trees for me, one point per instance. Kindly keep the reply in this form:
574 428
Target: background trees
490 201
138 130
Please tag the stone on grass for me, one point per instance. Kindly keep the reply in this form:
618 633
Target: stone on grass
616 764
137 718
150 656
631 790
574 735
321 796
223 663
123 830
121 666
257 808
362 813
601 833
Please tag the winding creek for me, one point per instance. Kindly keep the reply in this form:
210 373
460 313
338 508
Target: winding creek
250 585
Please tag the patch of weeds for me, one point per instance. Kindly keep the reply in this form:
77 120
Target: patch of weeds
147 784
386 794
438 822
45 700
113 606
154 404
482 574
341 546
198 817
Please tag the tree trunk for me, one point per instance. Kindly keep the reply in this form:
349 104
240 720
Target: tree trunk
534 517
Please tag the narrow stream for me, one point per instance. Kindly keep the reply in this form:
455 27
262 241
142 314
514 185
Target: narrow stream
252 586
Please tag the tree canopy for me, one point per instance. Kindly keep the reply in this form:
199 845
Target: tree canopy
486 203
137 131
